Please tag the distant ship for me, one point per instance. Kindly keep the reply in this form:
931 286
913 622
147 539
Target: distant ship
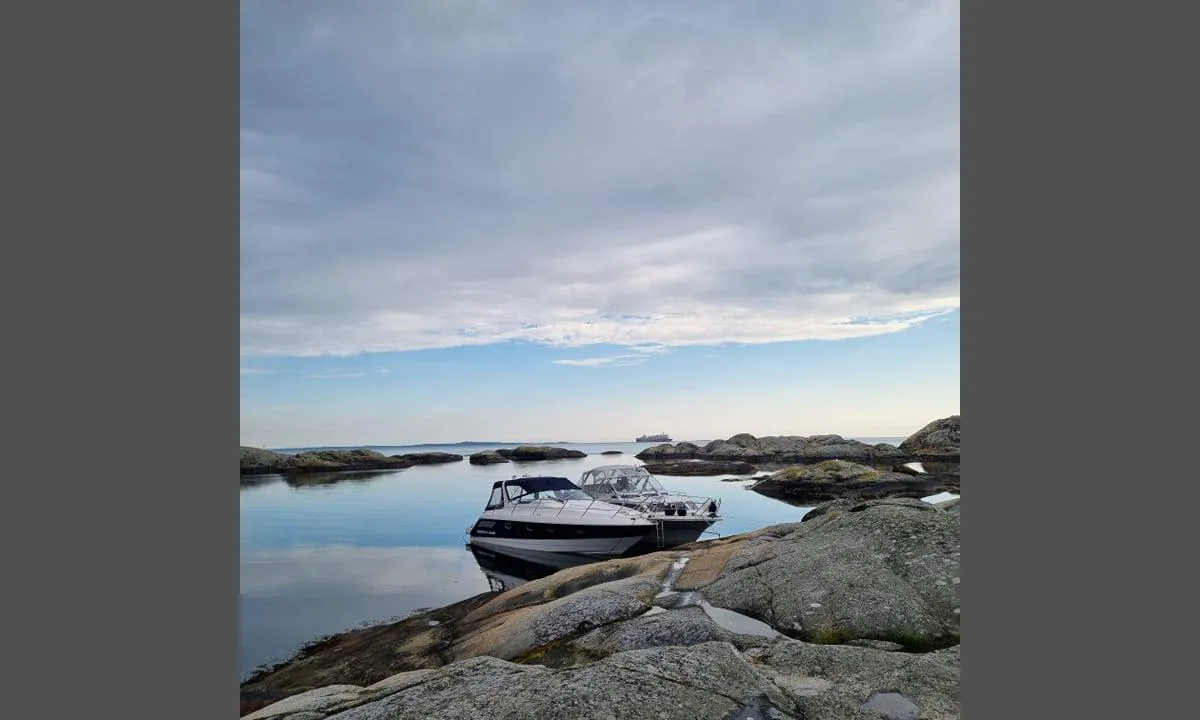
661 437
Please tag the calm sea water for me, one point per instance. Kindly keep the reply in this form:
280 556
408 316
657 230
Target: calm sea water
323 554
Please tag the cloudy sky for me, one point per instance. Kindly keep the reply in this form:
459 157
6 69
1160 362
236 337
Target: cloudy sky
517 220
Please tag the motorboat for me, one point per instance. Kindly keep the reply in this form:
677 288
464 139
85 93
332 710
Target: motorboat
680 519
553 514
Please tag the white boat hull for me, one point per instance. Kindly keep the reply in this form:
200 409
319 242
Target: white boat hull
595 547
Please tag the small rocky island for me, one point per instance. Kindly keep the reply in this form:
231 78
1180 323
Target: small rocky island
259 461
852 612
534 453
524 453
700 467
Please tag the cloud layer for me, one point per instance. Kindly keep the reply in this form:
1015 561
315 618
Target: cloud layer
425 175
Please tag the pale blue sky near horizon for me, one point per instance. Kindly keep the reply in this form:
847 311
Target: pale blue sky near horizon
517 221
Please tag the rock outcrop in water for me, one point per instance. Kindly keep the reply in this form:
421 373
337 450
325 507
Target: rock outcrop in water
487 457
836 479
257 461
700 467
532 453
801 620
430 458
936 441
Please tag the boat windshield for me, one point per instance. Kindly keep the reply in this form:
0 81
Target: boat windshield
528 490
622 480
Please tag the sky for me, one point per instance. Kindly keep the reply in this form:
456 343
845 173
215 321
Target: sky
520 221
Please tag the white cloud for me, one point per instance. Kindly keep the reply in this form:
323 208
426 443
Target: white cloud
428 176
256 371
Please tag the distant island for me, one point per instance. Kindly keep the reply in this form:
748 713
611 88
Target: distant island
661 437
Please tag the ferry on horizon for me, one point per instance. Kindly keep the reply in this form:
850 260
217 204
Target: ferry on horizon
661 437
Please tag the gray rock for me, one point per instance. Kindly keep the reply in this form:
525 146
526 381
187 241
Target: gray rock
700 467
834 479
707 681
745 447
828 682
877 570
684 627
525 633
704 682
533 453
257 461
430 458
319 703
938 438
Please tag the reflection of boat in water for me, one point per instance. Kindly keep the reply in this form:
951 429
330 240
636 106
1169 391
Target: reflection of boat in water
505 570
681 519
661 437
553 514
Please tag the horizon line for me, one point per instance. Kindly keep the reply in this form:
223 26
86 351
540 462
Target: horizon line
531 442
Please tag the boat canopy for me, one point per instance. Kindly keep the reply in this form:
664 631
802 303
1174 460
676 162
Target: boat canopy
622 479
538 484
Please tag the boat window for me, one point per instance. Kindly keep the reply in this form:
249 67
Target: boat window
519 495
497 499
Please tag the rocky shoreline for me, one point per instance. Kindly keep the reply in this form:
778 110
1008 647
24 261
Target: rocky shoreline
834 479
936 442
258 461
741 454
852 612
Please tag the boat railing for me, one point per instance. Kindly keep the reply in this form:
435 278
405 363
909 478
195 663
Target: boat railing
535 506
695 503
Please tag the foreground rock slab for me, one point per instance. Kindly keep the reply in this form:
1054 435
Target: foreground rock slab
706 681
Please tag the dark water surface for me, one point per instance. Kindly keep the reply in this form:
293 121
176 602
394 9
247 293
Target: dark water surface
328 552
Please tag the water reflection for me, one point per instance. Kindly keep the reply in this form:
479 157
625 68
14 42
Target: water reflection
316 479
290 596
249 482
359 477
505 570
